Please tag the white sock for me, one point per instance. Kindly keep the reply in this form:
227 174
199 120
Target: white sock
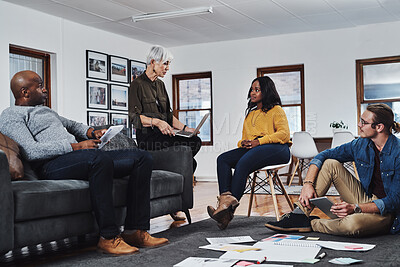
297 210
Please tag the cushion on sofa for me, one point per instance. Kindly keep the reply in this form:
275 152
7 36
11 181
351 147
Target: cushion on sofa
11 149
47 198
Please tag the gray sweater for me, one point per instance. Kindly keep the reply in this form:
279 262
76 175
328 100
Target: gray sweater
40 131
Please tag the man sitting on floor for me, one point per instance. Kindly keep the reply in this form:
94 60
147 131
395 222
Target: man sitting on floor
371 205
48 141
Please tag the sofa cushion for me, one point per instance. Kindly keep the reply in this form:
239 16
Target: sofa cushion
46 198
11 149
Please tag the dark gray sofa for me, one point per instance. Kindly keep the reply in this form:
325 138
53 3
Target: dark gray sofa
38 211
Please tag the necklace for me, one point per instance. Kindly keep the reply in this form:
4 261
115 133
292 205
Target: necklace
253 121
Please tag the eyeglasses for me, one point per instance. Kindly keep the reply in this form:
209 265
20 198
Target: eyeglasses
363 123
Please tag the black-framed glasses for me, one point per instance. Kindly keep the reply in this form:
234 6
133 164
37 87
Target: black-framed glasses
363 122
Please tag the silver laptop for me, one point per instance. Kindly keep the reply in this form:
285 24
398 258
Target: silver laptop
190 134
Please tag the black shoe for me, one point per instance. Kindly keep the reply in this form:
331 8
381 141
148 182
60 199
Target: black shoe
291 222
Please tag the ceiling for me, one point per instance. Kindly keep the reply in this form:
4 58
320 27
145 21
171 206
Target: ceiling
231 19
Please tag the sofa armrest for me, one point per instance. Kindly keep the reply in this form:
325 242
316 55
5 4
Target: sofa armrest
177 159
6 207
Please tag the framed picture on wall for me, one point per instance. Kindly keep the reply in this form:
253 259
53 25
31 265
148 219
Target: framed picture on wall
97 118
119 97
96 65
137 68
119 71
119 119
97 95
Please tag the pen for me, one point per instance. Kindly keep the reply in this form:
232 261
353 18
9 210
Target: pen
321 256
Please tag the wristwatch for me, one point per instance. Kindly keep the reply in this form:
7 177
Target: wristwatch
357 209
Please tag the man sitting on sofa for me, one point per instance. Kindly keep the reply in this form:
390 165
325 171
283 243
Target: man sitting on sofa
370 206
48 141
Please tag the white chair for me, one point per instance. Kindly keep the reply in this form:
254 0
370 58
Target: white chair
340 138
275 183
304 149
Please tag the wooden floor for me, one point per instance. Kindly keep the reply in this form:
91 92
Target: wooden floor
205 193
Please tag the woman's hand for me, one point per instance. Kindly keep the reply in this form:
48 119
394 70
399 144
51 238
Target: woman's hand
164 127
307 192
342 209
250 143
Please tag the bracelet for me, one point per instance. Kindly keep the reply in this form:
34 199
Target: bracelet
93 135
151 123
184 127
308 182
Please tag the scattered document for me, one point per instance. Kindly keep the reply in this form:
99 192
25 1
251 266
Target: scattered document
345 246
289 251
110 133
280 237
344 261
229 247
272 265
258 256
205 262
230 240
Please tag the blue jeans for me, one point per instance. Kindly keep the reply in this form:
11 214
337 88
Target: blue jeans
100 168
246 161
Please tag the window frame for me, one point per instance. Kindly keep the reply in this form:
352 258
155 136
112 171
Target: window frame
175 97
360 63
290 68
13 49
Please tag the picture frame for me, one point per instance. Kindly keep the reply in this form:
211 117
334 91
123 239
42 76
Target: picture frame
118 97
119 119
136 69
96 65
119 70
97 118
97 95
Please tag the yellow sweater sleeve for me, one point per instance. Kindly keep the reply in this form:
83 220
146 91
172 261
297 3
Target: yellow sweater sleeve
271 127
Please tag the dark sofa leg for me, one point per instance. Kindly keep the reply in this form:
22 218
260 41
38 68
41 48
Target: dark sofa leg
187 213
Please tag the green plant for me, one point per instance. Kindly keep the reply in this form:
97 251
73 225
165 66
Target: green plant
338 125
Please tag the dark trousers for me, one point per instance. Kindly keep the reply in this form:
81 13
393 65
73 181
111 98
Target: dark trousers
246 161
154 140
100 168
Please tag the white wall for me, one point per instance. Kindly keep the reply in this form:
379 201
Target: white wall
69 42
330 85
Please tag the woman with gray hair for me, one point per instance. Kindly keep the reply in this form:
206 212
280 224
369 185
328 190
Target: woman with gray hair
150 110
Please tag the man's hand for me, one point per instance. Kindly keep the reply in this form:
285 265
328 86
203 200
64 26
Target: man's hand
250 143
88 144
164 127
307 192
342 209
99 133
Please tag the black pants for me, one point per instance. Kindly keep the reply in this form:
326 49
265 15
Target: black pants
99 168
149 139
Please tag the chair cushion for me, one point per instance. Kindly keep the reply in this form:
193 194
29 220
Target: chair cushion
11 149
46 198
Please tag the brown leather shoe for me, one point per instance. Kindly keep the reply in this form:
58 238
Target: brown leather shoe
227 205
115 246
143 239
175 216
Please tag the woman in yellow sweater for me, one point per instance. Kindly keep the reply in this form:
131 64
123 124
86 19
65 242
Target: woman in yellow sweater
265 141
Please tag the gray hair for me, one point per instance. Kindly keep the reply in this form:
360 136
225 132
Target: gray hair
159 53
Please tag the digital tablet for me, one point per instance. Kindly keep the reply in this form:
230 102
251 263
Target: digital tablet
324 204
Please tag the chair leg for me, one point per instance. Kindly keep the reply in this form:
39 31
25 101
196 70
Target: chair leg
355 171
300 171
294 172
271 184
253 185
283 190
188 217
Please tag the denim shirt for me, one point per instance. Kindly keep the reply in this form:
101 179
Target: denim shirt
362 153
